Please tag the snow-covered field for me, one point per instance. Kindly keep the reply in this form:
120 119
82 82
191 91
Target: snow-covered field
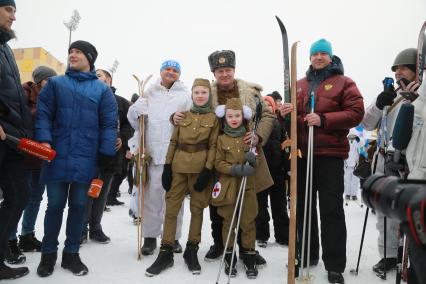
116 262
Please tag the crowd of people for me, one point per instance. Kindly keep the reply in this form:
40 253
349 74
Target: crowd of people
209 142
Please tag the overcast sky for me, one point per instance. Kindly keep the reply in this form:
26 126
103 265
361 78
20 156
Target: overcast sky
365 34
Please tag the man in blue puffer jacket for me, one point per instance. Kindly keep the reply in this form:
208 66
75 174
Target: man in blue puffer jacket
76 116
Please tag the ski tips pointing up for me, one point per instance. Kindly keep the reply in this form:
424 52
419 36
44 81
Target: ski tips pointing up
280 23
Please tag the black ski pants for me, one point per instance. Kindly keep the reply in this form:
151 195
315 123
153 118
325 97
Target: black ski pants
95 206
117 180
14 184
216 225
278 199
328 184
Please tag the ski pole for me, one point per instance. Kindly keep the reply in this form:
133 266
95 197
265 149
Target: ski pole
308 204
243 188
231 227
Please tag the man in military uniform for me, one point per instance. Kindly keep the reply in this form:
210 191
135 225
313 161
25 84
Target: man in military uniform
222 64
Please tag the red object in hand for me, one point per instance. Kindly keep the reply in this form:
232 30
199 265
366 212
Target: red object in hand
33 148
95 188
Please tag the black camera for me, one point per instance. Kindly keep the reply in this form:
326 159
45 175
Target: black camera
404 201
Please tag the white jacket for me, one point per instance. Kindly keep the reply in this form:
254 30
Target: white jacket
353 154
162 103
372 120
416 150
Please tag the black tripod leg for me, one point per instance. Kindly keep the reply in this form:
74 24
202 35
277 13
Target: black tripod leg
362 240
399 257
384 246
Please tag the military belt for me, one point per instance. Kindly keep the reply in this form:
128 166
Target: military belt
192 148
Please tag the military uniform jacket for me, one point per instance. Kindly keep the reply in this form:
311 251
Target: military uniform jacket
230 151
194 130
247 93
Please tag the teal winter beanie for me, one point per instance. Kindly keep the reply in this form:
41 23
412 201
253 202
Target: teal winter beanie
321 45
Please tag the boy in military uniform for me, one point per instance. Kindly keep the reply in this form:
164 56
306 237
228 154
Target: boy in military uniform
188 168
231 157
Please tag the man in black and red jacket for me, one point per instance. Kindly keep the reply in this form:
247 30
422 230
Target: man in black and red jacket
338 106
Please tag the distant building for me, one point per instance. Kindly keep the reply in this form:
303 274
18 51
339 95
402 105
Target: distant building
29 58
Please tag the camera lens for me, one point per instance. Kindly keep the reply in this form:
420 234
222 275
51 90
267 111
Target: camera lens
381 194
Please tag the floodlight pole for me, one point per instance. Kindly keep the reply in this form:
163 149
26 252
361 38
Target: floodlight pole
72 24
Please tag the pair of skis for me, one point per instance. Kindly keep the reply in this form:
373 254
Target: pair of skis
290 97
140 166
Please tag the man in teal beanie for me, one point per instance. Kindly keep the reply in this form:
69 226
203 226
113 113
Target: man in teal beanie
321 45
338 106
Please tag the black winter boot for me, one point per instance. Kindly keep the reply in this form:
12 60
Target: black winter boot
164 260
13 254
191 259
228 268
390 264
149 245
9 273
177 248
249 260
335 277
260 260
47 264
99 237
29 242
114 202
72 262
214 253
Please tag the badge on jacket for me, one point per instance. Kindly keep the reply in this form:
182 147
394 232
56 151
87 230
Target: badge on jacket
216 190
328 87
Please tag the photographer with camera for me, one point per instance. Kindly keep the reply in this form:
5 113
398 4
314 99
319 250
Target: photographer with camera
382 114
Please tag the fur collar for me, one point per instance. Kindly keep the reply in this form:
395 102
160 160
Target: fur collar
247 90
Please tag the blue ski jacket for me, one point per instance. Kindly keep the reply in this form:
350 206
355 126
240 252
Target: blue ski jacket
77 115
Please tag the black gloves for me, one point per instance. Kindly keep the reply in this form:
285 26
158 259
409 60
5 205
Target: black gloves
385 98
203 179
166 177
104 162
241 170
251 158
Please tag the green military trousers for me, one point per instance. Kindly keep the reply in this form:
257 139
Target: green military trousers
181 184
247 222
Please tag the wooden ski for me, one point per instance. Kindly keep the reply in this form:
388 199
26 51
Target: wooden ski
293 171
140 166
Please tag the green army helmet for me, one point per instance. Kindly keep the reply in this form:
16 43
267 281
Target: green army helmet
405 57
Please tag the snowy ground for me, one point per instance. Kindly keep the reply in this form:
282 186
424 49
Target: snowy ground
116 262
